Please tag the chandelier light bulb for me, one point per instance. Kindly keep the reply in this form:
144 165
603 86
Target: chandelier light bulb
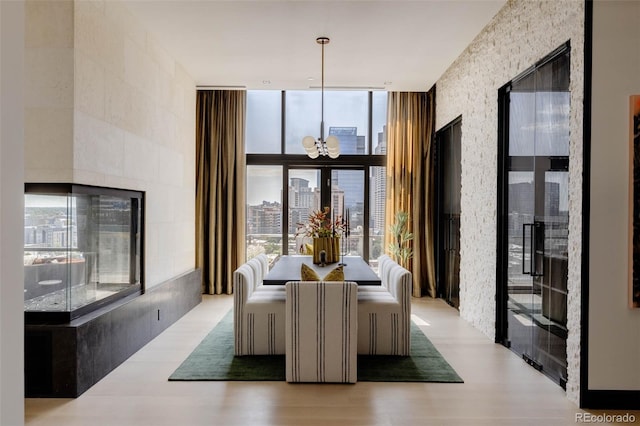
309 142
332 143
333 147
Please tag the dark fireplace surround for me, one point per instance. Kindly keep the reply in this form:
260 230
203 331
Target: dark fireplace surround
99 318
64 360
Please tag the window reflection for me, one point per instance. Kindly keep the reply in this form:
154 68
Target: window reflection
539 124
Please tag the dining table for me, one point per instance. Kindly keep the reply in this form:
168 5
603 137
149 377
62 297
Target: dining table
287 268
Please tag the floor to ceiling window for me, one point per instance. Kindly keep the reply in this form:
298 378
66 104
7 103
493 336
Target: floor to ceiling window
284 186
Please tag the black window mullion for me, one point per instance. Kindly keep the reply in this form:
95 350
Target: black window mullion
283 121
325 187
344 161
285 210
370 126
367 211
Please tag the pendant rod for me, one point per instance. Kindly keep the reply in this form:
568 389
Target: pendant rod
322 41
322 99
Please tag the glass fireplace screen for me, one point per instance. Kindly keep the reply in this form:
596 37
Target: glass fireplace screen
82 249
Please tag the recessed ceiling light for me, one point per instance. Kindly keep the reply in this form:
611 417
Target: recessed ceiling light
310 78
266 81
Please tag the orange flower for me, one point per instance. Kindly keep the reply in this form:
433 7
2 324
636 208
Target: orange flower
320 225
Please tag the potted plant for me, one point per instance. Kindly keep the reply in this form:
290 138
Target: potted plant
400 247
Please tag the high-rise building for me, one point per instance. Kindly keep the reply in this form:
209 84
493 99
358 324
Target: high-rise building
379 186
265 218
300 194
350 142
350 182
303 200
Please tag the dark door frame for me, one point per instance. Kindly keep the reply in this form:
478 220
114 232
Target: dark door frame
440 238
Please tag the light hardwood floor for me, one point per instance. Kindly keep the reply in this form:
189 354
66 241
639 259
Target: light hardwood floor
499 388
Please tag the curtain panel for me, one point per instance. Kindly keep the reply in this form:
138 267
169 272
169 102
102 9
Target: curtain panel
220 187
410 179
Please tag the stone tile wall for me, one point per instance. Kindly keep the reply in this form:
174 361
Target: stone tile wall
522 33
108 106
49 89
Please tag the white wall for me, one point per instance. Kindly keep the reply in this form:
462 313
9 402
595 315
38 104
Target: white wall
614 329
522 33
118 111
11 213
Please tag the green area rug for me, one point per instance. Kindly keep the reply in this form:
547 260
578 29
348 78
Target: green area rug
213 359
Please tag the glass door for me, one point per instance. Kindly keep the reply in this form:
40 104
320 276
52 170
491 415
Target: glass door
342 189
448 165
347 199
534 216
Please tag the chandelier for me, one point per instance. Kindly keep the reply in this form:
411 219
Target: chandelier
331 146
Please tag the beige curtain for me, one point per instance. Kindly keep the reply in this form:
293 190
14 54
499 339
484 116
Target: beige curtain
410 179
220 187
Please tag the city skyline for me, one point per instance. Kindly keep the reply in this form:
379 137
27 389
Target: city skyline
264 183
263 133
266 220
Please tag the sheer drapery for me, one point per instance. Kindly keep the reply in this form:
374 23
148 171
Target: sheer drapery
220 187
410 179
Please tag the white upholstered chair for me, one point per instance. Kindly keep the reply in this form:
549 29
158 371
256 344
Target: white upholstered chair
258 321
321 332
384 313
260 265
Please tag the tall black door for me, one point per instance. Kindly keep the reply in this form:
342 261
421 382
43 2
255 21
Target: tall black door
448 168
534 215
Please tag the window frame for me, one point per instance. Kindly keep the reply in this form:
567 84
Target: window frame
344 162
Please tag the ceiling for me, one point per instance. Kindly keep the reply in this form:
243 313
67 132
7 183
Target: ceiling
395 45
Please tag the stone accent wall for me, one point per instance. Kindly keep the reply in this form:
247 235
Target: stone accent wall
522 33
108 106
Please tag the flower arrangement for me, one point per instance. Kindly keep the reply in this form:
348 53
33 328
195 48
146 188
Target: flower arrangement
321 224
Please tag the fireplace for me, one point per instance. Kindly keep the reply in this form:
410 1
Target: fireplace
83 248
